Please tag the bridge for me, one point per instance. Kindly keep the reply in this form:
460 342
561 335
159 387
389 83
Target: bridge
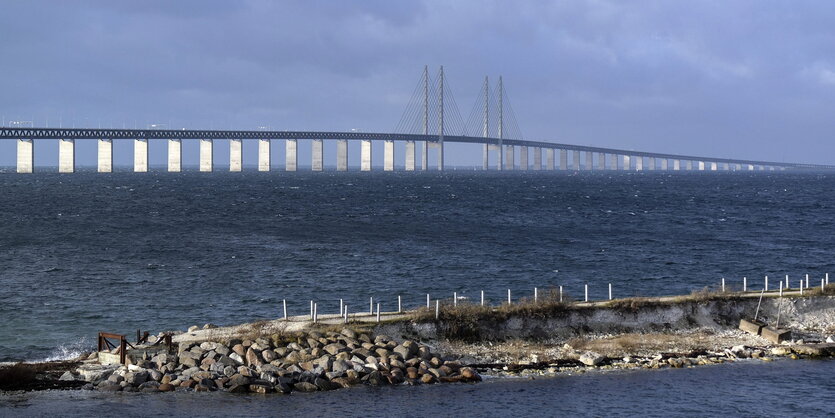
425 113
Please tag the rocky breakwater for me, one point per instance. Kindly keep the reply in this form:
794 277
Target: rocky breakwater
307 362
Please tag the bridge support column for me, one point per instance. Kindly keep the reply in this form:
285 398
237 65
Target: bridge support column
627 165
388 155
263 155
365 155
701 166
523 158
509 158
485 157
175 156
317 155
639 163
614 162
688 165
410 156
750 167
676 165
342 155
549 159
25 155
563 159
440 146
601 161
651 164
140 156
66 155
104 162
235 155
713 166
537 158
664 164
737 167
424 155
575 163
206 155
291 157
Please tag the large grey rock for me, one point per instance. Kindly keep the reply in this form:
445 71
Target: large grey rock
268 355
222 350
95 373
237 358
136 378
67 376
305 387
108 386
335 348
341 366
238 379
590 358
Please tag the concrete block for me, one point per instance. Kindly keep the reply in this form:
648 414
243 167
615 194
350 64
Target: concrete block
751 326
775 335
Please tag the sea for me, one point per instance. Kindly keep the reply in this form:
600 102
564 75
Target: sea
158 251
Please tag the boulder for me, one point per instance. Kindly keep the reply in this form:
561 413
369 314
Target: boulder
470 374
428 379
67 377
136 378
239 379
268 355
108 386
325 384
166 387
238 389
260 388
590 358
335 348
252 358
155 375
239 350
305 387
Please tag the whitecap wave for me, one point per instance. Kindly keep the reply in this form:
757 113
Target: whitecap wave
68 351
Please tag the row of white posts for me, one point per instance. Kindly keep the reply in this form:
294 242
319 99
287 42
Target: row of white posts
343 307
803 283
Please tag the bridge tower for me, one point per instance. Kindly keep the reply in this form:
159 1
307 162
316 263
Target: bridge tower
441 121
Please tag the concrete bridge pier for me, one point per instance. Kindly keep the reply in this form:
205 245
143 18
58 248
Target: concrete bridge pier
575 161
523 158
440 147
664 164
317 155
701 166
737 167
589 161
175 156
424 155
235 155
713 166
627 165
140 156
342 155
613 161
549 159
104 162
726 167
563 159
676 165
651 164
485 157
750 167
509 158
66 155
291 157
263 155
410 156
537 159
25 155
601 161
639 163
388 155
206 155
688 165
365 155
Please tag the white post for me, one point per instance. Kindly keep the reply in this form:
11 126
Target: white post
807 281
284 302
311 309
587 292
427 301
723 285
437 309
346 314
378 311
610 291
482 298
315 313
744 284
508 296
535 295
340 306
766 284
781 288
371 306
455 299
560 293
399 306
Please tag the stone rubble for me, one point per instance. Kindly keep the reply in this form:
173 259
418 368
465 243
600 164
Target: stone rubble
309 362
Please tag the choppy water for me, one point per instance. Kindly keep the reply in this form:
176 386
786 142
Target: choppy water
88 252
752 388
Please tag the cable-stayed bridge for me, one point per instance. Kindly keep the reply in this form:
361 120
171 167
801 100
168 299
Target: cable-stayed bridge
430 120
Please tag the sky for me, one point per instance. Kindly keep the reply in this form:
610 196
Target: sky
734 79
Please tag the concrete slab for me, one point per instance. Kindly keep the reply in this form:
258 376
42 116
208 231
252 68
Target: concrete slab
775 335
751 326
